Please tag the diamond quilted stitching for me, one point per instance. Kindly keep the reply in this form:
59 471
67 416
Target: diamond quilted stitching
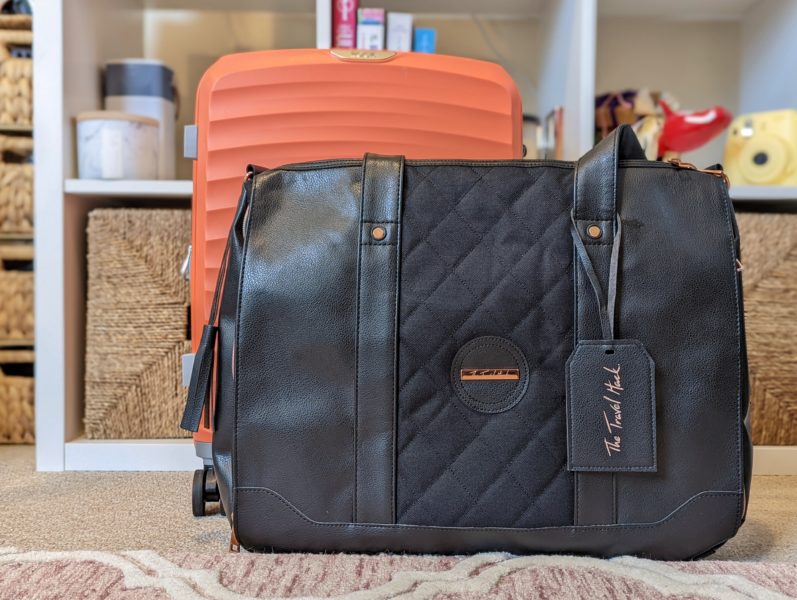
484 464
487 253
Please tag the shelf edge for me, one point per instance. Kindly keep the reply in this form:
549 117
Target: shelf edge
761 193
173 188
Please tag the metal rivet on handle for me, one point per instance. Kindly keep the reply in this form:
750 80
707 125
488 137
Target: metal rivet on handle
378 233
594 231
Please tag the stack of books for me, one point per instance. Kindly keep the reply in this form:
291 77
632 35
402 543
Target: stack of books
374 29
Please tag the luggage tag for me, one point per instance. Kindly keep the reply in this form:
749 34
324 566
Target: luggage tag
610 389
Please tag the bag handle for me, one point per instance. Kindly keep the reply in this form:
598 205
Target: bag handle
596 226
595 191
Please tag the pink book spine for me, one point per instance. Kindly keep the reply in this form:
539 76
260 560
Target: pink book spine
344 23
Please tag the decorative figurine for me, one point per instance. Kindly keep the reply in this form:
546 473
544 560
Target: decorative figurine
664 133
688 130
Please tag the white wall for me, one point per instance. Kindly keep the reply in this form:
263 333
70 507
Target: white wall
769 57
513 43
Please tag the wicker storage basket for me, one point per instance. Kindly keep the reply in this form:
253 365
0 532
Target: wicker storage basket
137 323
16 21
16 293
16 397
769 254
16 79
16 185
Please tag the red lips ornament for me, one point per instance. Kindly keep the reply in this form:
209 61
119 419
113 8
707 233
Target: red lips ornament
687 130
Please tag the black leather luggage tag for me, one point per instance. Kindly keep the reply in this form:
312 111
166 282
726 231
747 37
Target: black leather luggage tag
611 407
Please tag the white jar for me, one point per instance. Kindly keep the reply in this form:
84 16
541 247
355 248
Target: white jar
116 145
145 87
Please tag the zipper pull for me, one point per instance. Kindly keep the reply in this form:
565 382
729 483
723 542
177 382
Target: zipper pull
679 164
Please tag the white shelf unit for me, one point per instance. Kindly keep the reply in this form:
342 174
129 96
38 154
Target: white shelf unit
149 188
763 193
550 47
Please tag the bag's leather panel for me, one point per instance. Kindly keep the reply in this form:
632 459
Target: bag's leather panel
295 342
691 529
377 340
486 251
284 446
678 296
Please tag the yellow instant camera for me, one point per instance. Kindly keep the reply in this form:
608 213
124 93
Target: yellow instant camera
762 149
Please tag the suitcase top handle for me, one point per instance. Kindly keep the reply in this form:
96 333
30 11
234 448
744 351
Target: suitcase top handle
354 54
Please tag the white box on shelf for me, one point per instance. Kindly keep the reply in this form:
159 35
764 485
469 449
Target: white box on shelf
399 31
371 29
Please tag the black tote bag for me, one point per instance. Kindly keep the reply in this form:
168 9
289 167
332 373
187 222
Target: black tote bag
461 356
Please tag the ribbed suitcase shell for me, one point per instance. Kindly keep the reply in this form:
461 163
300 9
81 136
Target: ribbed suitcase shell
282 106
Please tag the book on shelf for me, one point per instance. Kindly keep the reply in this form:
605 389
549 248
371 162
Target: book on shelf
344 23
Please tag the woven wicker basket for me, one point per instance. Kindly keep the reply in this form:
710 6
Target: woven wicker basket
16 21
16 399
16 185
769 254
16 79
16 294
137 323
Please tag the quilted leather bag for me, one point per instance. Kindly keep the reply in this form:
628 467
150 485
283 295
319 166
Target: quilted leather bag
462 356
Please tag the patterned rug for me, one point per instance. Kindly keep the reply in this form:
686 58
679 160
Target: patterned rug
145 574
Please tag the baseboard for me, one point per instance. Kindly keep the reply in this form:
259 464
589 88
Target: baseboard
131 455
775 460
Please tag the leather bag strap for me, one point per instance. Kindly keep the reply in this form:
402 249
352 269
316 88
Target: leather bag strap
201 384
378 272
596 248
596 174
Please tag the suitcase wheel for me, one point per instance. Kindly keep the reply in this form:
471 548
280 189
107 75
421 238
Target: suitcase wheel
204 489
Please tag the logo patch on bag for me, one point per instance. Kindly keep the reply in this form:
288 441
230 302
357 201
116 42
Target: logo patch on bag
611 407
490 374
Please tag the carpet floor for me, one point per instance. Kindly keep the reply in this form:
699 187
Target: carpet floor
131 535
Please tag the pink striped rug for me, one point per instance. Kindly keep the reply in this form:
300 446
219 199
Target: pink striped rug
147 574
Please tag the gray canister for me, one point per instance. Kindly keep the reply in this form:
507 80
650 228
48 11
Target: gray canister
145 87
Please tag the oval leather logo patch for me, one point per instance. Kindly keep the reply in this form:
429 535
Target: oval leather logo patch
490 374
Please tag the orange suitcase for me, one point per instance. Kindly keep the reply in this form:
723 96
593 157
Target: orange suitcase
281 106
